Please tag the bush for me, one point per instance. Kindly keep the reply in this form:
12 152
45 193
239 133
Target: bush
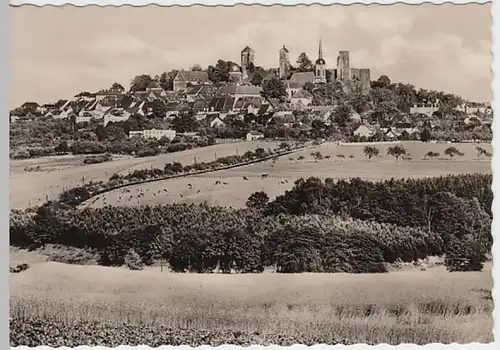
19 268
98 159
133 260
464 254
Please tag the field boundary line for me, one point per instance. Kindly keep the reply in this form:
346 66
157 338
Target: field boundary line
194 174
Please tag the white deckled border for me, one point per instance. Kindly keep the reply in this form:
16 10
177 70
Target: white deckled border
495 159
230 2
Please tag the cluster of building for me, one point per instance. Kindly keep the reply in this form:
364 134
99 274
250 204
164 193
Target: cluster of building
211 104
342 73
193 92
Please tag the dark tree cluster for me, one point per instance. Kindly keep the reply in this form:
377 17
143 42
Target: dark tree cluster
354 226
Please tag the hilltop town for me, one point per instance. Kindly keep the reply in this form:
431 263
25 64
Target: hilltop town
305 100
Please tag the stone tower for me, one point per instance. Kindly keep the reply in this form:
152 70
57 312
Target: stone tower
284 65
320 67
247 59
343 69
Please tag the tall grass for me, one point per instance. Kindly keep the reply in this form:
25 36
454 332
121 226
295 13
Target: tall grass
408 307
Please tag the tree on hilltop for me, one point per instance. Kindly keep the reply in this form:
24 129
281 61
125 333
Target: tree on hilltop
452 152
481 151
396 151
382 82
257 200
342 115
185 123
166 80
274 88
219 72
258 76
117 86
426 135
371 151
317 156
305 64
140 82
431 154
196 68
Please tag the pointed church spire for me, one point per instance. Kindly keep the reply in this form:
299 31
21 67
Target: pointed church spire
320 53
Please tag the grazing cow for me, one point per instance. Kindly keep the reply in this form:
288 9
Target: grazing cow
265 176
198 191
181 195
245 178
217 182
226 183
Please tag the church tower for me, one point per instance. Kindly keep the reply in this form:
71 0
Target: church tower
320 67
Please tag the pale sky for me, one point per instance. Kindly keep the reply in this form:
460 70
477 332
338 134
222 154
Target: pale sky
57 52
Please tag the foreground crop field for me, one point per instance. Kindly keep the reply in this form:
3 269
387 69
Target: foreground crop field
233 190
29 188
410 306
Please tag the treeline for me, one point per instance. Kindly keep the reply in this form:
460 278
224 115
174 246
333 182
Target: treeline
316 227
457 208
200 238
406 202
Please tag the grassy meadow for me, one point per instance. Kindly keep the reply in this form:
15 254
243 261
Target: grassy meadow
409 306
30 188
234 190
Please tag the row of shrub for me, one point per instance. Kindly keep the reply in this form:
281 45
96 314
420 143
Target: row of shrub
77 195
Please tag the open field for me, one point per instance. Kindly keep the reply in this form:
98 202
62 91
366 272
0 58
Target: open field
410 306
285 171
57 173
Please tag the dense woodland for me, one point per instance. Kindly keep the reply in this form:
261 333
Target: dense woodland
329 226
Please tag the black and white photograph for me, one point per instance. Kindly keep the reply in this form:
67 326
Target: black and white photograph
250 175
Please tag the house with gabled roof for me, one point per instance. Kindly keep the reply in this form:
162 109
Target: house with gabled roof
154 87
254 135
365 130
221 104
32 107
201 105
116 115
248 104
297 81
265 108
141 95
53 114
185 78
110 94
302 96
215 120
